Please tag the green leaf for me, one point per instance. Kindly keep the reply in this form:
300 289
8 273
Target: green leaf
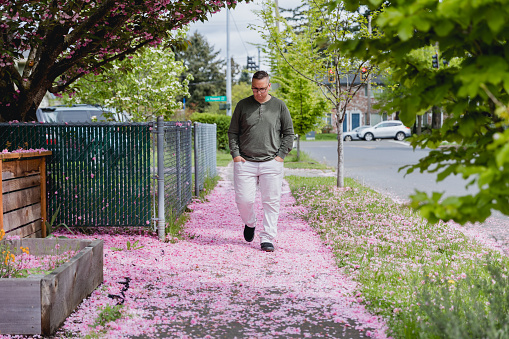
496 20
443 27
502 156
422 24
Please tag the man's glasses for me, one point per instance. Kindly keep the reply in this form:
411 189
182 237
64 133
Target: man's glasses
259 90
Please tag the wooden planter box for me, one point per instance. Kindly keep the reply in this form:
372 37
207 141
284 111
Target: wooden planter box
23 198
38 305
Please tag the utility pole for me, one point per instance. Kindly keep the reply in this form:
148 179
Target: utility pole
259 60
368 88
228 67
277 15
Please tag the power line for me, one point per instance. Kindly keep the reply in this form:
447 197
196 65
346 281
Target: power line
238 32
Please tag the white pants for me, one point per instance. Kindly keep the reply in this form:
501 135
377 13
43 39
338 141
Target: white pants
269 175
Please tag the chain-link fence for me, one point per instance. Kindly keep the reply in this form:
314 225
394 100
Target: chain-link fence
175 155
204 153
98 174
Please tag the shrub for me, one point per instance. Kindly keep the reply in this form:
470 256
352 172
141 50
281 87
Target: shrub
327 128
222 122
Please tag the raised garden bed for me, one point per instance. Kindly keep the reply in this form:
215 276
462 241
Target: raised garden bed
40 304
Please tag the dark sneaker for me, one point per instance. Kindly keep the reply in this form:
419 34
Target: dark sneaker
249 233
267 247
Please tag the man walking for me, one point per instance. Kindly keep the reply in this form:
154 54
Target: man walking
260 136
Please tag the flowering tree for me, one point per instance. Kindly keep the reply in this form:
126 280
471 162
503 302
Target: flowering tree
144 86
65 40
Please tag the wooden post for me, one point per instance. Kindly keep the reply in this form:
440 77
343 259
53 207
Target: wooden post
42 173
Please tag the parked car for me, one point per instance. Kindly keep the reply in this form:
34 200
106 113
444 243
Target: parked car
386 129
352 135
77 113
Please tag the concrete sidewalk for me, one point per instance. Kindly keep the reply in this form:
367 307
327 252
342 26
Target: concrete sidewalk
234 290
213 284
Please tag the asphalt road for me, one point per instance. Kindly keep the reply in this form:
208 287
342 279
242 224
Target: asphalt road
376 164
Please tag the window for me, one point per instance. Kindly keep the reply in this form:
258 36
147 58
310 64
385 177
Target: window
328 118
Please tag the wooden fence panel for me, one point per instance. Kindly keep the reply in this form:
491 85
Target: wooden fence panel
23 193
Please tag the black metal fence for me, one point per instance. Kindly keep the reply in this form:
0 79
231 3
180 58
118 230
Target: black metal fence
99 174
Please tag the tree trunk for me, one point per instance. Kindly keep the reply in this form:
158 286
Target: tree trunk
340 180
419 124
435 118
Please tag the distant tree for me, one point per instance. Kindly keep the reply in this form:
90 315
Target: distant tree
240 91
144 86
303 98
246 76
65 40
207 69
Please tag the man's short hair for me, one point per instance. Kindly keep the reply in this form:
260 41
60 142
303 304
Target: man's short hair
259 75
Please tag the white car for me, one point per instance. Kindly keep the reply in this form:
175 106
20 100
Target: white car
393 129
352 135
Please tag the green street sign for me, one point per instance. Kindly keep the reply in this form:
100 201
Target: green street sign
215 99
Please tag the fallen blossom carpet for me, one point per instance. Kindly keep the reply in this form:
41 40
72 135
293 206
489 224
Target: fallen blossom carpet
213 284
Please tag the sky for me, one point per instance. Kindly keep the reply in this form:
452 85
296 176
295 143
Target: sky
242 38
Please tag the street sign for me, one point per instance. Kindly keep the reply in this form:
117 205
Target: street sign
215 99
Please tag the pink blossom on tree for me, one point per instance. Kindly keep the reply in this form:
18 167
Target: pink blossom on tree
64 40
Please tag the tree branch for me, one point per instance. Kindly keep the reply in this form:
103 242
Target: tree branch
88 24
60 88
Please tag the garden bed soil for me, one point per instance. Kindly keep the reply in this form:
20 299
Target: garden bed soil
39 304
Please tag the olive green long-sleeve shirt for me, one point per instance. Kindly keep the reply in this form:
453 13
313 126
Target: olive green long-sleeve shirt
260 132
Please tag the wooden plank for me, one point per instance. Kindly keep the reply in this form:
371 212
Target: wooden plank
20 217
32 230
24 155
65 288
23 316
42 170
16 184
40 247
18 168
19 199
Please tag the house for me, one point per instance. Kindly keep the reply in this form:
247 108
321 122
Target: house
357 110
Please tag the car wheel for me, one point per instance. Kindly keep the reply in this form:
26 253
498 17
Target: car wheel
400 136
368 136
348 138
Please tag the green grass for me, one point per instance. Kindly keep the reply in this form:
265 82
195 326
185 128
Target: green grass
304 161
324 137
426 280
107 315
223 158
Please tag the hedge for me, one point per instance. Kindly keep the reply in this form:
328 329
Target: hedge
222 122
